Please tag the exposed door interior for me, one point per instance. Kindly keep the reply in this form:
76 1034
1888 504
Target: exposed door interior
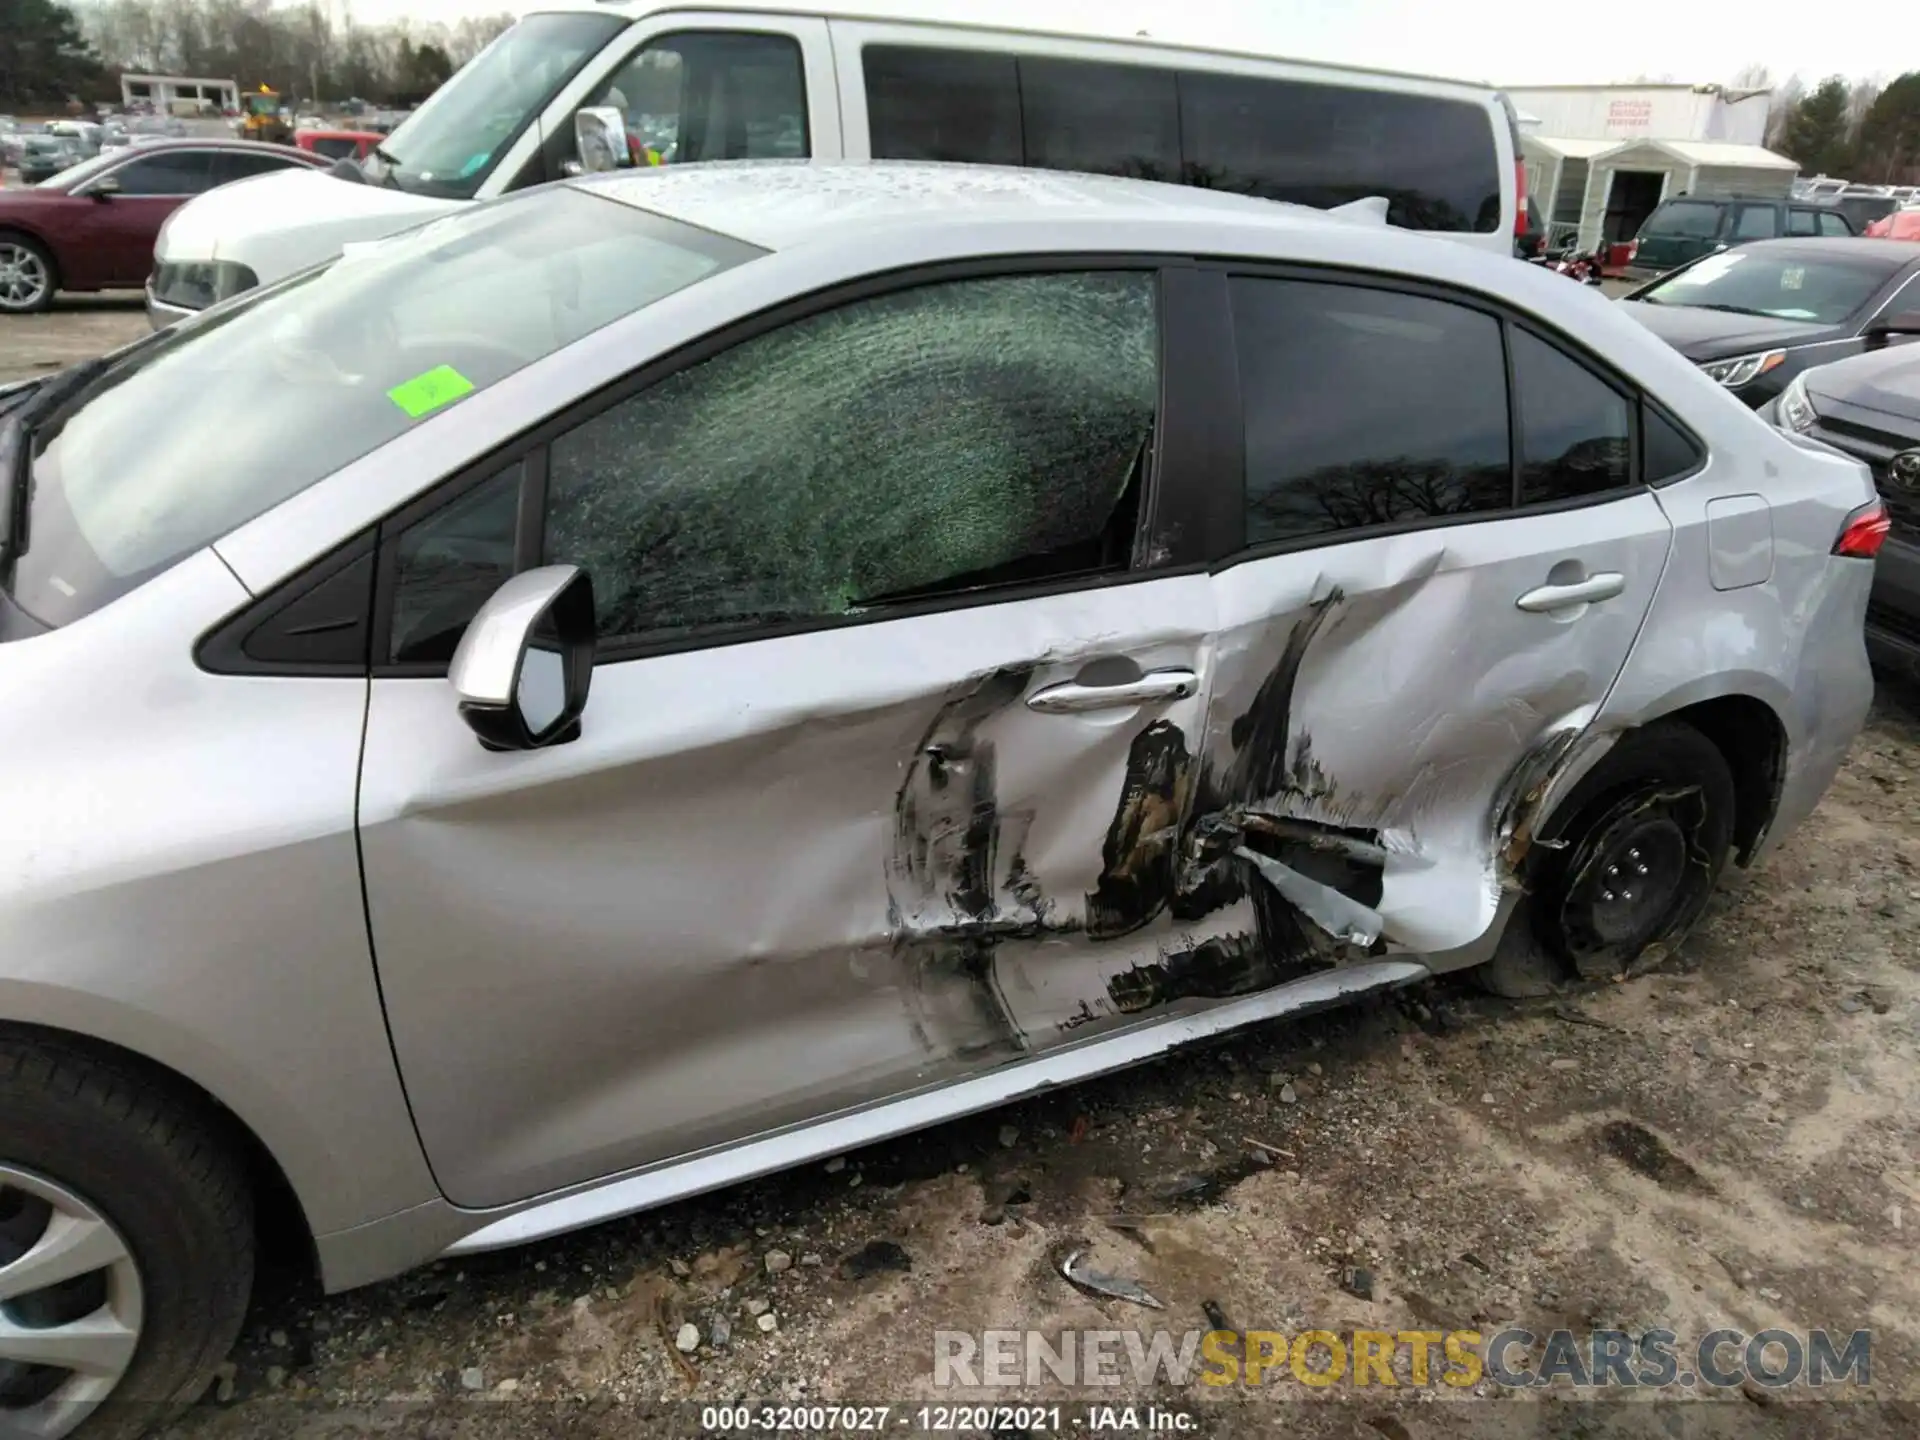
1632 196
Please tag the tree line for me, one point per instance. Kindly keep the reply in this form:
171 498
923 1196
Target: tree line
52 54
1859 130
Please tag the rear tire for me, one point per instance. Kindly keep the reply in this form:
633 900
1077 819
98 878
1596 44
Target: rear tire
99 1144
27 275
1647 833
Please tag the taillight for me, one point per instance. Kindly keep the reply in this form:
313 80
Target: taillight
1865 530
1519 193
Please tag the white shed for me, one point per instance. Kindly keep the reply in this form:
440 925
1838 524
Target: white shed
1557 180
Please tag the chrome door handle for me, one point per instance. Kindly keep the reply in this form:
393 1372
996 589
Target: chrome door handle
1565 597
1072 699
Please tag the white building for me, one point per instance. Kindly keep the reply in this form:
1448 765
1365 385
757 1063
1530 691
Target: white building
1601 157
178 94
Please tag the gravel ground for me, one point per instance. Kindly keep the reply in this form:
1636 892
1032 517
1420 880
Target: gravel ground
1732 1141
78 327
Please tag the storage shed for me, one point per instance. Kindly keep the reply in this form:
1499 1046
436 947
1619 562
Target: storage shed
1557 180
1626 182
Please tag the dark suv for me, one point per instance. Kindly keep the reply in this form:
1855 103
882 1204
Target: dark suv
1686 227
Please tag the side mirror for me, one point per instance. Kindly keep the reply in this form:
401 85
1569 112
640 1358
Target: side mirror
1901 322
600 136
105 188
522 669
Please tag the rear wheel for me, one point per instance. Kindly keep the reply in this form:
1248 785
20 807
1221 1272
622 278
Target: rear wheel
126 1244
26 276
1646 837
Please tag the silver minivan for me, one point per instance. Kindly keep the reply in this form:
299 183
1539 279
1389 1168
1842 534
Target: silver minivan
785 81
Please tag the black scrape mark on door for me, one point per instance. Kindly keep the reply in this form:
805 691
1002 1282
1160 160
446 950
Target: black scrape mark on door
1265 769
943 900
1138 859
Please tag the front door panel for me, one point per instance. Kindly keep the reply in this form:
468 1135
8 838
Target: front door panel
769 880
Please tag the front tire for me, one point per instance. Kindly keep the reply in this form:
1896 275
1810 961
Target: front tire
126 1243
27 276
1645 837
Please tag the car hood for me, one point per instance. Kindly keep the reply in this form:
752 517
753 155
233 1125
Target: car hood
1715 334
1886 380
280 223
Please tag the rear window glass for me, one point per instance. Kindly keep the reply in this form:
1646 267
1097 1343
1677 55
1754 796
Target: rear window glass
1433 159
1685 217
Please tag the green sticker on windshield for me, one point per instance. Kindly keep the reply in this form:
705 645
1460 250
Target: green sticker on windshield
424 393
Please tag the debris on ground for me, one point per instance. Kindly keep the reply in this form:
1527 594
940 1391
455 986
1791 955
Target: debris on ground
1114 1287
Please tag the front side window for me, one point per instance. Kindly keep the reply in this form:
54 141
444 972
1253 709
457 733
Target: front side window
230 165
1574 435
214 422
1784 284
336 147
1366 407
172 172
711 95
934 441
451 144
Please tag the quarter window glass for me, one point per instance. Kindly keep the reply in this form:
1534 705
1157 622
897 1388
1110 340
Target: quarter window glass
179 172
937 440
717 95
1366 407
1667 452
1756 222
1573 425
1101 119
1694 220
955 105
1326 145
1802 222
448 564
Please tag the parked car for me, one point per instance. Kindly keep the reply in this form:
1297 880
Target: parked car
1869 406
1755 317
840 80
85 135
1901 225
338 144
92 227
1683 229
623 636
44 155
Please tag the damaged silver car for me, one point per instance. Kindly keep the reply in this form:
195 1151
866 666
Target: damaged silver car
651 681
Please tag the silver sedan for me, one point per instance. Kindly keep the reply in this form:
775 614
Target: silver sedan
667 676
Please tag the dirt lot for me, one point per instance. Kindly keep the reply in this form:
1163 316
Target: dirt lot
1734 1141
77 328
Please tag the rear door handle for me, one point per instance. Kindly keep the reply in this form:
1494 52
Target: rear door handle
1074 699
1565 597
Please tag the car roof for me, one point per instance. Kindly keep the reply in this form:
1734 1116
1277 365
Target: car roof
778 204
1008 16
161 144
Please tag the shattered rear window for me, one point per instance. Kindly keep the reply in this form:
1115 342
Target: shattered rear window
937 440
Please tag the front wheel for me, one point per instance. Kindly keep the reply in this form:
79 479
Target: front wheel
126 1244
1645 837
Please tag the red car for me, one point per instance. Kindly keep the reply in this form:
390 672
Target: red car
92 227
337 144
1901 225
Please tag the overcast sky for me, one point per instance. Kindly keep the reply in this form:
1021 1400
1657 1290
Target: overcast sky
1510 42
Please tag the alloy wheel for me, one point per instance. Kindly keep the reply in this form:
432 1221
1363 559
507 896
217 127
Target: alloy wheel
71 1306
23 277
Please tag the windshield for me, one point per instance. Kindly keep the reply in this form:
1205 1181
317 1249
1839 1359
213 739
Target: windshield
1820 289
451 144
218 419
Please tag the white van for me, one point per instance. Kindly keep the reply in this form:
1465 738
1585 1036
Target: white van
795 80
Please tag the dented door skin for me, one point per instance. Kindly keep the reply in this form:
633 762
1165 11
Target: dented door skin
1375 700
782 876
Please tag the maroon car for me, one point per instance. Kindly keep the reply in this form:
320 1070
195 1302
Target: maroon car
92 227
